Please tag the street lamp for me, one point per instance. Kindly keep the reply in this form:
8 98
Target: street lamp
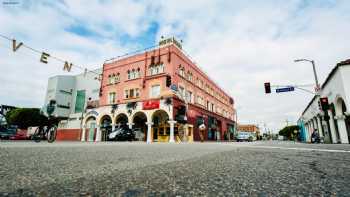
317 85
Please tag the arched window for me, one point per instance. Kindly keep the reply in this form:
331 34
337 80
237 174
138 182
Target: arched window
113 78
138 73
181 71
133 74
117 77
109 79
129 74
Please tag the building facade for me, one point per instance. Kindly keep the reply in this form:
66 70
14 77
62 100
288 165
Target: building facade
73 94
333 124
249 128
162 95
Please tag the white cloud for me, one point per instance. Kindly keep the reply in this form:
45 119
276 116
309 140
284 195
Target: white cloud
242 44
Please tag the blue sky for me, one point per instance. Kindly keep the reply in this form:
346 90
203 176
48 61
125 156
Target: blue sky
242 44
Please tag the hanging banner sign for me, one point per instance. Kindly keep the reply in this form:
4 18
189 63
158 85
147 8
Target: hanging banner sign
14 46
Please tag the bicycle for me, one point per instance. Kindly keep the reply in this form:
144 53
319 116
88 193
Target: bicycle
50 131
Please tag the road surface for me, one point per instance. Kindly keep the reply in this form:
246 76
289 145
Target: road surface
161 169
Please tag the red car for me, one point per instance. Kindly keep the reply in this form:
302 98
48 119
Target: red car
20 135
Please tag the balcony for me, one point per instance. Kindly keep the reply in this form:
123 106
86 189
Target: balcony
92 104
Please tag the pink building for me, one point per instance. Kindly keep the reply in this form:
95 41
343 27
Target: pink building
161 94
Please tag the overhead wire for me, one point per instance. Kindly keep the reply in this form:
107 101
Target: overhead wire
53 57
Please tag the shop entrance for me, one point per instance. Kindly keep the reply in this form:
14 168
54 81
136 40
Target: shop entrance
121 120
161 127
90 129
106 127
140 127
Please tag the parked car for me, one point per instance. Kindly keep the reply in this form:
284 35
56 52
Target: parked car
7 132
245 136
122 134
20 135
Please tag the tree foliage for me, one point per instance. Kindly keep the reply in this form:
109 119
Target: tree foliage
25 117
289 131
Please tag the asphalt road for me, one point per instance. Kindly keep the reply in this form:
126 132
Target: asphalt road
197 169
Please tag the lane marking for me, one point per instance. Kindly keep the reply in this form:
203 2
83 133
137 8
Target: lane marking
302 149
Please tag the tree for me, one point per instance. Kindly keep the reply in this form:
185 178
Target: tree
288 132
25 117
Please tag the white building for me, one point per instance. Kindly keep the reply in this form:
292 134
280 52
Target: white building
73 94
337 89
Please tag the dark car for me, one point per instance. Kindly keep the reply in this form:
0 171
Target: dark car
122 134
7 132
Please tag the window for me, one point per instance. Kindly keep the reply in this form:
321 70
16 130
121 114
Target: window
156 69
132 93
129 74
189 76
155 91
200 100
208 105
117 77
111 98
212 107
181 71
126 94
137 75
189 96
80 101
137 92
182 91
134 74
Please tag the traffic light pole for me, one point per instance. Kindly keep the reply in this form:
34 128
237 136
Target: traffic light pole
316 79
317 85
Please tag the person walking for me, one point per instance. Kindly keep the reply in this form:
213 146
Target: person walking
201 132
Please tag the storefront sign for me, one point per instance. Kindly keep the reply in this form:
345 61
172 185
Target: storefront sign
148 105
92 113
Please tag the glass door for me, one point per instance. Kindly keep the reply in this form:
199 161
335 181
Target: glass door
92 131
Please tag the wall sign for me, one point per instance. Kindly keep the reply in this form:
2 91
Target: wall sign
173 87
148 105
95 113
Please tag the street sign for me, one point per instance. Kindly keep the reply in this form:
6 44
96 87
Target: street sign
287 89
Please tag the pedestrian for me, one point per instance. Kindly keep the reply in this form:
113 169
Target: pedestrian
201 132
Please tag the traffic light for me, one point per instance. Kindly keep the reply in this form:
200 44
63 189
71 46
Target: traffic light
267 88
324 103
319 105
168 81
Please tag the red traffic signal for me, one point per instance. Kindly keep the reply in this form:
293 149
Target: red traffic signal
267 87
324 103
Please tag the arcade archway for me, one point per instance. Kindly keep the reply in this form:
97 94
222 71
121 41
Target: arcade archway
121 120
90 129
139 126
341 110
161 127
106 127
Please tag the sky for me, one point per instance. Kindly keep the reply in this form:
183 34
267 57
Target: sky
242 44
